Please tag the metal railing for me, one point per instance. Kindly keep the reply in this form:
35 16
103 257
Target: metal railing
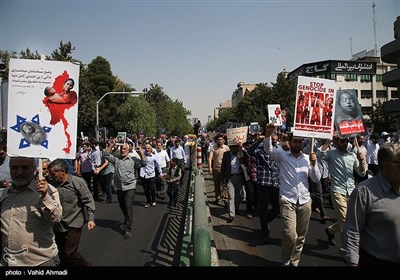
198 228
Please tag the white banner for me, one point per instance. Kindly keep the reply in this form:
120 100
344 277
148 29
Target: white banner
237 135
42 108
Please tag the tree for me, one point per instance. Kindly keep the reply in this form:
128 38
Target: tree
100 75
5 58
382 120
177 119
136 115
87 104
253 107
63 53
100 80
160 102
28 54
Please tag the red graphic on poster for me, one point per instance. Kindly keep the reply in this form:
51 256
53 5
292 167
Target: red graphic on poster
58 98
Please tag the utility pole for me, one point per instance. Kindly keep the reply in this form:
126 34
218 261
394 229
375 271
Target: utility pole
132 93
374 22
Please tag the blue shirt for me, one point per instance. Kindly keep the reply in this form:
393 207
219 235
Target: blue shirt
341 168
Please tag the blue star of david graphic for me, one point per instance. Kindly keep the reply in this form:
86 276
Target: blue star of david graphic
25 143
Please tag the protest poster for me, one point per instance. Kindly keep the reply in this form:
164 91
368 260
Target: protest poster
275 114
42 108
121 138
314 110
348 116
237 135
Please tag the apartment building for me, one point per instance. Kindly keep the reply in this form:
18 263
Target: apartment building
240 92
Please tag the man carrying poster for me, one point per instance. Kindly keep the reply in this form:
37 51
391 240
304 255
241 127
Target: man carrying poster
233 169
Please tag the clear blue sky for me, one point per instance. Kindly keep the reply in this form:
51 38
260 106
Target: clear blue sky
198 50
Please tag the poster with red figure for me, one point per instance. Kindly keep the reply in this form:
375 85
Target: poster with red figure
275 114
42 108
314 110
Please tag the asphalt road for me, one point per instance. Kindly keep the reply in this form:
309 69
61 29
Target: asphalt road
155 234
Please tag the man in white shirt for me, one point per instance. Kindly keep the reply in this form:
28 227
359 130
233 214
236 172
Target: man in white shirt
164 162
295 199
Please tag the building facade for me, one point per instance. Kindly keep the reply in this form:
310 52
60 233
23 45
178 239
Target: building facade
240 92
390 53
222 106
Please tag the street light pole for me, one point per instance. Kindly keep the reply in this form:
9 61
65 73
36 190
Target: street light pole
132 93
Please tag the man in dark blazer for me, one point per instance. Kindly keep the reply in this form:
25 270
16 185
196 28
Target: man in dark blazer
233 177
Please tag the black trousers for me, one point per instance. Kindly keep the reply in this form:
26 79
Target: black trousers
68 244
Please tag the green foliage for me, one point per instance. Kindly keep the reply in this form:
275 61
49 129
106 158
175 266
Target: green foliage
253 107
170 115
177 123
159 101
100 76
63 53
87 104
381 120
136 115
5 58
28 54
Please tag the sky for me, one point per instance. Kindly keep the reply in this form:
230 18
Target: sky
198 51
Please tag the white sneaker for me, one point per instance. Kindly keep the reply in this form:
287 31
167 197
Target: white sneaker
153 204
146 206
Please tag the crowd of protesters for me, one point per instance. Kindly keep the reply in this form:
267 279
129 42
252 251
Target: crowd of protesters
61 194
283 175
278 174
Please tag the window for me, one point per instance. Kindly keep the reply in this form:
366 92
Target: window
378 77
365 78
366 94
332 76
350 77
381 93
395 94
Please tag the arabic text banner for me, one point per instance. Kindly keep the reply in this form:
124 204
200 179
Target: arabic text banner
237 135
